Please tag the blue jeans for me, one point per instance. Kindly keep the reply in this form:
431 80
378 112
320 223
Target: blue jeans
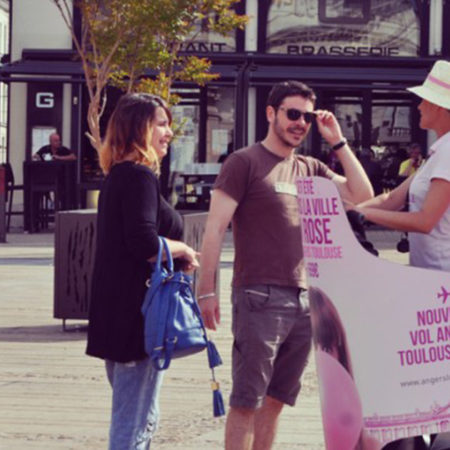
135 403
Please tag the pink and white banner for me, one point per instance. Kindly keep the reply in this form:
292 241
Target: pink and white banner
381 332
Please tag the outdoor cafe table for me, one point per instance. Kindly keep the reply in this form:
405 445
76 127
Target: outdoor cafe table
42 178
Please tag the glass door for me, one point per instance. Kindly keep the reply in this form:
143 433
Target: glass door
393 125
348 107
380 126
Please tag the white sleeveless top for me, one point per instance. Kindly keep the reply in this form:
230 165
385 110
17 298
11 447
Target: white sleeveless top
431 250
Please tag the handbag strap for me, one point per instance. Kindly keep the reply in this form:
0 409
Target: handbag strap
160 336
164 246
163 313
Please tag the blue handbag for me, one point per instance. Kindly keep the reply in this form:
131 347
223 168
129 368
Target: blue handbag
173 325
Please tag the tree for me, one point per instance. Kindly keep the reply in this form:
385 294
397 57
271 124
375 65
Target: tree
121 39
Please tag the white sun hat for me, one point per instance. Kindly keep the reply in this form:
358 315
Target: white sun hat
436 87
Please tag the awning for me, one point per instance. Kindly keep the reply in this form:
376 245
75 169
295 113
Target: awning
42 65
356 72
64 66
257 69
8 72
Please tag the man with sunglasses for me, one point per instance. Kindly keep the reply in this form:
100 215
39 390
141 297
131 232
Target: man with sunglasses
271 324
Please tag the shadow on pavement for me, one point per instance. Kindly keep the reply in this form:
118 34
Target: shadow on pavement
43 333
14 261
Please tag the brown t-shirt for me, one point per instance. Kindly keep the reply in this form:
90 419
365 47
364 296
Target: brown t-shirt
266 223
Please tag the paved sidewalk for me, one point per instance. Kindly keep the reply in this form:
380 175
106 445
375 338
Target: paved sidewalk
54 397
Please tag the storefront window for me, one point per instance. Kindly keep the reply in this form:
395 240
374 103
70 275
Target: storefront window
343 27
391 137
349 117
220 125
348 112
185 147
391 125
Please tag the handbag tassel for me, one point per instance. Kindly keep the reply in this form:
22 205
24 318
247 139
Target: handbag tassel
218 406
214 358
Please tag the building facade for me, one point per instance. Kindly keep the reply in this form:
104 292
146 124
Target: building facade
359 56
4 50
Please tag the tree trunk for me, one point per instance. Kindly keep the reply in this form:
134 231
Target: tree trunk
93 119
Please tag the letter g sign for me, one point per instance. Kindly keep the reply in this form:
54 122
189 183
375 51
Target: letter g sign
45 100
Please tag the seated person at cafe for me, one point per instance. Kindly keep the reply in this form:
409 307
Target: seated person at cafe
410 165
54 151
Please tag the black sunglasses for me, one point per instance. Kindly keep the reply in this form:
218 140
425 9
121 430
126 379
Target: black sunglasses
295 114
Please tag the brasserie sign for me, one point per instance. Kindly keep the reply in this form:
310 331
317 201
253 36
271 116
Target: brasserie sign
343 28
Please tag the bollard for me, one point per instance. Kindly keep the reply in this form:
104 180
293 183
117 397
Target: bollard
2 204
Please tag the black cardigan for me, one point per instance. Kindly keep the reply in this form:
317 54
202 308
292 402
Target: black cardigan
131 215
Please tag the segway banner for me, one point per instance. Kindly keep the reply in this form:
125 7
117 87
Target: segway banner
381 332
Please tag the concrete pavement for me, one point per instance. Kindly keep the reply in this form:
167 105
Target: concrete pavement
52 396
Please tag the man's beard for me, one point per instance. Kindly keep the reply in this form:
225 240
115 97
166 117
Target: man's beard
281 134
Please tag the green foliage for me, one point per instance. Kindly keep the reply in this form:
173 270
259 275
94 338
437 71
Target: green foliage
164 25
122 39
195 69
135 35
158 86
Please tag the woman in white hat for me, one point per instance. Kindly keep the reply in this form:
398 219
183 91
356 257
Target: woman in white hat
428 219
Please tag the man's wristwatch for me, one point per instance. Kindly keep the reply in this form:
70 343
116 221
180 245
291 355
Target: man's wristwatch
339 145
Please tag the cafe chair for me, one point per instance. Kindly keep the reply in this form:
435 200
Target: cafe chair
9 191
44 198
49 187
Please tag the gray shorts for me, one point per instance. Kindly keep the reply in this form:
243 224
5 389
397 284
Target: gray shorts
272 339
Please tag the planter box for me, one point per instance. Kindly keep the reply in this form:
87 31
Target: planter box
75 237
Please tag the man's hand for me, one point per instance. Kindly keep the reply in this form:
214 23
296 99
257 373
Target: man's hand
329 127
210 310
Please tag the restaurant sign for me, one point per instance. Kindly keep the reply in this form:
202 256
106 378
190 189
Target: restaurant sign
205 47
343 28
202 40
